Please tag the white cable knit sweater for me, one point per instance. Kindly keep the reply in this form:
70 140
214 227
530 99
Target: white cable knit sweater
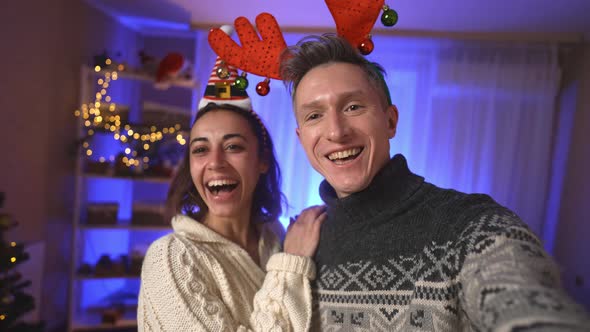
196 280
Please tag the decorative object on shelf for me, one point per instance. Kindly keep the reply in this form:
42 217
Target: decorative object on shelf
135 262
105 116
104 266
102 213
14 301
85 270
148 63
112 315
172 66
149 214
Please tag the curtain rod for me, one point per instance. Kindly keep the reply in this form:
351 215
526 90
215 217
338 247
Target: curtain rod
557 37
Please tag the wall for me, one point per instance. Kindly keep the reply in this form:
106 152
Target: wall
43 48
572 243
40 65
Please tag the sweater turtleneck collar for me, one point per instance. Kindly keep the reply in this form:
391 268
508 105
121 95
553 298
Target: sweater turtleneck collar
392 185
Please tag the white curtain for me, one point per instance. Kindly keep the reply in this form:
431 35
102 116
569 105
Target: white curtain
476 117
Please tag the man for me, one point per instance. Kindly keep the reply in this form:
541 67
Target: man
397 253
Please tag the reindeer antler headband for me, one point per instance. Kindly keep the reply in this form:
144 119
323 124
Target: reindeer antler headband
260 55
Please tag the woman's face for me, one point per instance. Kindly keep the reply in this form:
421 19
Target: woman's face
224 162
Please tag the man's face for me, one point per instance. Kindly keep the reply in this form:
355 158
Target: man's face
343 125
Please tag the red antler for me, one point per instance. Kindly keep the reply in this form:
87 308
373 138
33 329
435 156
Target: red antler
354 18
256 56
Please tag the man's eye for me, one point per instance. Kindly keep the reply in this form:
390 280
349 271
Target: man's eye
313 116
354 107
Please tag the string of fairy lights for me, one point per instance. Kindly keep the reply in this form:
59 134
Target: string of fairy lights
102 115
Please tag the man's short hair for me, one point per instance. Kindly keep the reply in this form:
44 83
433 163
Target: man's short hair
313 51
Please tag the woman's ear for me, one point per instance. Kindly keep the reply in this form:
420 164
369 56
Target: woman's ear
263 165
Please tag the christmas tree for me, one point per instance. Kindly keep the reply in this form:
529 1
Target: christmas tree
14 301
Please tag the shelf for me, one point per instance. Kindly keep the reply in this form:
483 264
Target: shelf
139 76
92 322
127 227
95 277
132 178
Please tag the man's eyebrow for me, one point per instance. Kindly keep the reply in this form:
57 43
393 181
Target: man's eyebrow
345 95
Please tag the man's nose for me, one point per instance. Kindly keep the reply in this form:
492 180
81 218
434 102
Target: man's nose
338 127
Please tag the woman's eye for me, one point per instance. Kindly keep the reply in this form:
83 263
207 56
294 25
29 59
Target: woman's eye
199 150
234 147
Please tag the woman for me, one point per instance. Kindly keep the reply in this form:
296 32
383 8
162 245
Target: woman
221 269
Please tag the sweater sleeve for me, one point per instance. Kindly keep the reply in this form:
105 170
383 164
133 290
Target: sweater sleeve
509 283
176 296
284 301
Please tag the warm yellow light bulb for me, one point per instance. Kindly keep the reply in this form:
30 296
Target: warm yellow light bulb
107 99
125 159
115 76
85 145
108 61
112 107
13 244
102 159
127 150
136 136
177 126
146 159
146 146
97 69
178 137
103 92
13 259
89 152
77 113
105 85
153 129
127 127
171 130
87 123
165 130
121 67
123 138
129 132
100 81
116 136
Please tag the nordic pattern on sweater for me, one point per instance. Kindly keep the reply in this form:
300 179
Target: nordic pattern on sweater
435 260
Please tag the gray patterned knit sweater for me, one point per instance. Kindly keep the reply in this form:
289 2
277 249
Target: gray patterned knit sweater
404 255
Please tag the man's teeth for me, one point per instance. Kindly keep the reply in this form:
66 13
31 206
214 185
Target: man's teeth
218 183
344 154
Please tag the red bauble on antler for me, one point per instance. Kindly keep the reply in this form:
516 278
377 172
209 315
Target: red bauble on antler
355 19
256 55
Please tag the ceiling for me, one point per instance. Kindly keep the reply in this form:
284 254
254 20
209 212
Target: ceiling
570 17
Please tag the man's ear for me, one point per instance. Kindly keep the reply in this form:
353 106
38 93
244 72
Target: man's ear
298 132
392 117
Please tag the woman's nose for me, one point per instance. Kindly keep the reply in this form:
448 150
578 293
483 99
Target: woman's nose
216 159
